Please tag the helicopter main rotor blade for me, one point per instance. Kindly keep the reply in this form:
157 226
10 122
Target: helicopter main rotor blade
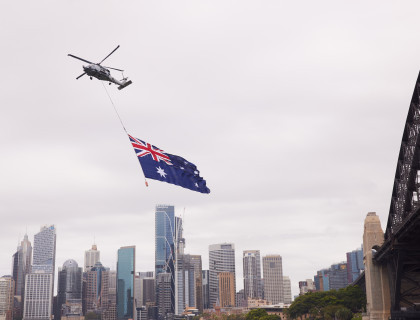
81 75
113 68
80 59
109 55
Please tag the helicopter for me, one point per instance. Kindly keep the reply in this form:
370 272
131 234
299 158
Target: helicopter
102 73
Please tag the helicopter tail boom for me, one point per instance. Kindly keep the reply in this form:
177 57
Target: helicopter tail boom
124 84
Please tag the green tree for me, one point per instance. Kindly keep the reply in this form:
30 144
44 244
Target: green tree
343 314
256 314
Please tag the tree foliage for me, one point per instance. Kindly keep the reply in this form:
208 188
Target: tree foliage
325 304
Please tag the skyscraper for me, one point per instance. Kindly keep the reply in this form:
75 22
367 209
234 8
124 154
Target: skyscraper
206 292
273 279
164 295
22 260
221 259
164 239
44 249
252 274
355 264
38 296
338 276
168 243
91 257
69 285
39 283
111 311
7 288
125 282
227 286
287 290
189 283
96 289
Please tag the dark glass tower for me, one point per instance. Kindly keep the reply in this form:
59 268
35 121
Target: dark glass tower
164 239
125 282
21 267
69 285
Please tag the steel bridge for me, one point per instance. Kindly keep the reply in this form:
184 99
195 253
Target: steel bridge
400 251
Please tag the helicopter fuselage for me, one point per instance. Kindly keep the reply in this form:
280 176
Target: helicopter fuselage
98 72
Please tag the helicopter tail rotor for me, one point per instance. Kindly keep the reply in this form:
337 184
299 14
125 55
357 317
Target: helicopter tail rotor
125 84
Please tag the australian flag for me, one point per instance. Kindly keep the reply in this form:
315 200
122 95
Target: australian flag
160 165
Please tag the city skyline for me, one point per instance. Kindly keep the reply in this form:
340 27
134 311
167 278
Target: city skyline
331 84
238 258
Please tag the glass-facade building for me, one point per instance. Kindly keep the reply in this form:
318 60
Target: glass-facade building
125 282
39 283
221 259
168 242
44 250
252 274
164 238
69 285
355 264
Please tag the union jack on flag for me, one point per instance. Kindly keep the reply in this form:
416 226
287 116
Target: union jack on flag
160 165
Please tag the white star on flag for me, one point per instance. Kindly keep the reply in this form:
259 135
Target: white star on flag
161 172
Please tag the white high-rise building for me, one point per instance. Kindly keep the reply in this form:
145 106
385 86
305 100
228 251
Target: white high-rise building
252 274
38 296
91 257
39 284
273 279
221 259
287 290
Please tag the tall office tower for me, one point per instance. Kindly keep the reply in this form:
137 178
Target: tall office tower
110 313
38 296
206 292
322 280
7 289
112 286
91 257
138 297
126 270
168 243
287 290
69 286
96 289
338 276
189 283
273 278
227 292
39 283
164 239
221 259
252 274
148 292
355 264
22 260
44 250
164 295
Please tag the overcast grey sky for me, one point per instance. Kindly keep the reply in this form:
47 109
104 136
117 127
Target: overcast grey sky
293 111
